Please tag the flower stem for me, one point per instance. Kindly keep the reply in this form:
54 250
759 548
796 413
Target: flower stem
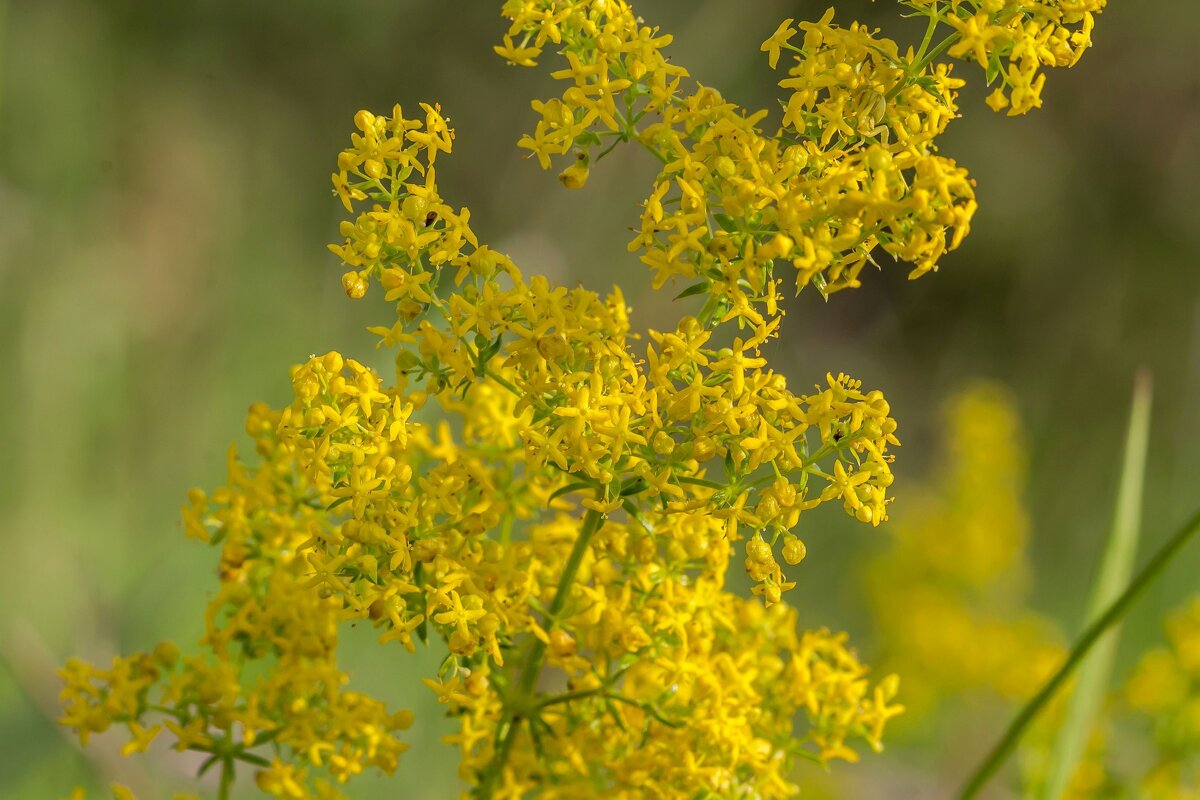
226 779
532 668
942 47
1113 614
533 664
934 19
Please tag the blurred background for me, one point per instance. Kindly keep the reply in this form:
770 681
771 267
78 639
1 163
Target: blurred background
164 210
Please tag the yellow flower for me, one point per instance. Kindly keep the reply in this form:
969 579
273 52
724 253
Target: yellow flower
777 41
552 500
576 175
520 56
141 738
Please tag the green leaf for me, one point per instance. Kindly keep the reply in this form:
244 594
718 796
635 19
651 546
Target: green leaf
819 283
727 223
253 758
693 290
636 516
633 486
587 139
699 482
1116 567
338 502
716 378
1154 567
993 70
423 626
448 665
571 487
537 606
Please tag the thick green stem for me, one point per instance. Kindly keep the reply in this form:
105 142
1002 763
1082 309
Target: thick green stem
226 779
533 664
522 702
984 772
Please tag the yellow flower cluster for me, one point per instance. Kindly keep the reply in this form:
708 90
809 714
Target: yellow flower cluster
359 511
1165 686
408 230
667 689
556 507
271 612
958 559
673 457
852 168
690 429
1015 41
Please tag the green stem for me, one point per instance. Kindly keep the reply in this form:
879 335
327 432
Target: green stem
616 141
942 47
934 19
523 700
533 664
582 694
507 384
488 784
917 68
226 779
984 772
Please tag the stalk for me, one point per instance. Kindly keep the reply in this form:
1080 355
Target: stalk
522 701
226 779
1113 614
1115 569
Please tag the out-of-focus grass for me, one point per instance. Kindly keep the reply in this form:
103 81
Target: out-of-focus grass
1116 567
164 206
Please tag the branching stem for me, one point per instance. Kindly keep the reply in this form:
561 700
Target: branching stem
523 700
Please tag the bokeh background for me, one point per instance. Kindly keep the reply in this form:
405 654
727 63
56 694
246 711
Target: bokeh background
164 207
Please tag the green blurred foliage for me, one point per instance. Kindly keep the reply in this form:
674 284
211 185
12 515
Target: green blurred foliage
164 206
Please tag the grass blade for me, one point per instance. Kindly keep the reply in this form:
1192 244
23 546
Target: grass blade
1116 566
1111 616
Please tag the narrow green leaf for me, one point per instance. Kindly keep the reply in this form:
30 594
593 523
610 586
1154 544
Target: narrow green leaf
588 138
694 289
1163 557
818 282
727 223
993 70
633 486
338 502
206 766
571 487
1116 567
423 626
633 513
253 758
699 482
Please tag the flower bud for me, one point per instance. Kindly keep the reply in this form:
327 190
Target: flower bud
355 285
575 176
794 550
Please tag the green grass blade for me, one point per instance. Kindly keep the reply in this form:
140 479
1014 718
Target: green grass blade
1111 616
1116 567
